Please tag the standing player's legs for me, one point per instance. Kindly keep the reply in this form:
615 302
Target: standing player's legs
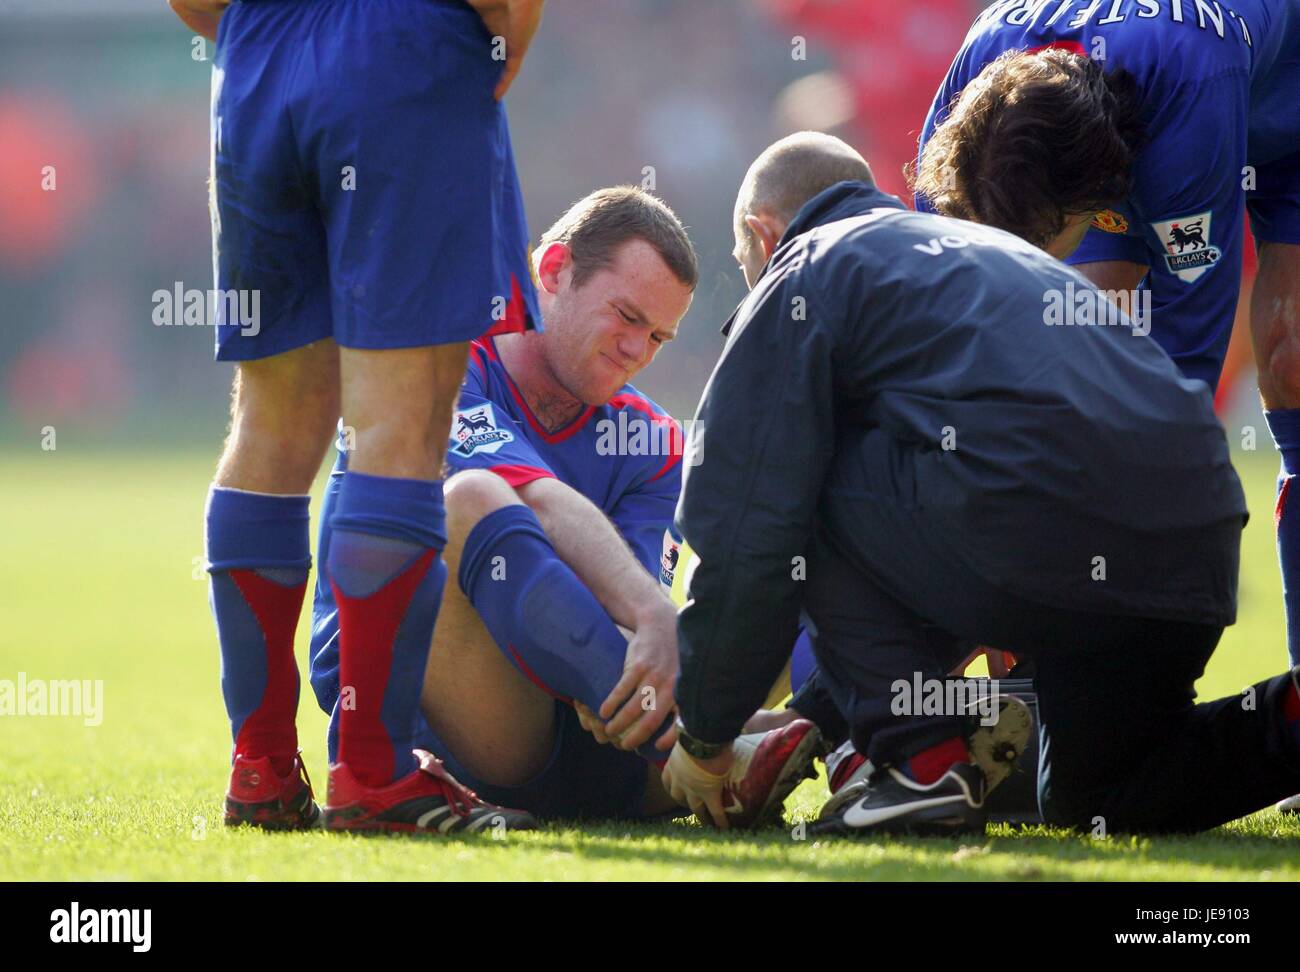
259 557
409 156
1275 330
384 555
274 320
1274 208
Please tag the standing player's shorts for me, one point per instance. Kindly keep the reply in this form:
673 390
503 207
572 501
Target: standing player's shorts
1274 205
583 779
363 183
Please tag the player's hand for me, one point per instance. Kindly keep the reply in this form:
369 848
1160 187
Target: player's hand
643 698
591 722
1000 662
517 22
200 16
596 726
698 783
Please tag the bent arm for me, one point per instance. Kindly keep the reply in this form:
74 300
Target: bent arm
589 543
1111 275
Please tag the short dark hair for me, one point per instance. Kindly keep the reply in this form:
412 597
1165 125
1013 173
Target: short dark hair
596 225
1034 139
793 170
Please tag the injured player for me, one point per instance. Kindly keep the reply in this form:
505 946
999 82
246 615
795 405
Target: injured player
565 480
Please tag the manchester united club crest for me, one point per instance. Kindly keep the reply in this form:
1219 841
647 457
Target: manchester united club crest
1110 221
1188 248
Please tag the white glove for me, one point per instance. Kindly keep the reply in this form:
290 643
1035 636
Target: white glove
700 788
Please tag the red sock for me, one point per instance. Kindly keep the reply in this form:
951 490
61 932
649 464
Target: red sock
375 752
930 764
1291 703
1291 711
271 729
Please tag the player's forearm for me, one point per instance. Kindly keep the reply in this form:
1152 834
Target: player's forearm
200 16
586 540
1114 275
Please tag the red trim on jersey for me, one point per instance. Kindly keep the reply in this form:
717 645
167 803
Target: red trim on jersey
1074 47
480 354
515 320
676 438
518 476
672 461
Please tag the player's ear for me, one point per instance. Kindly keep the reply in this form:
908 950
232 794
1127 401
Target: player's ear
555 260
765 230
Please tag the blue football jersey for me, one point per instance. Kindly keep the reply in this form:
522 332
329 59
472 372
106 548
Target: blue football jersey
1220 98
625 456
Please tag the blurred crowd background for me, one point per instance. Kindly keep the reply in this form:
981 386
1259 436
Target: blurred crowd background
110 94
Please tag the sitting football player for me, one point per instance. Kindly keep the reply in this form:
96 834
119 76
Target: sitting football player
565 480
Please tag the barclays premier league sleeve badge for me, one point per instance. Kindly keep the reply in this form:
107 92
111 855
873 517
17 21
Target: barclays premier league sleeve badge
1186 241
475 430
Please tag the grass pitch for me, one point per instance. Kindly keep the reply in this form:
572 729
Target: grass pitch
100 574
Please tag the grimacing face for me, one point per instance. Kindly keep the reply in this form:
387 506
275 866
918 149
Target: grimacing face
599 335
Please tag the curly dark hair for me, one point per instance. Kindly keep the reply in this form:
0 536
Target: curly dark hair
1034 139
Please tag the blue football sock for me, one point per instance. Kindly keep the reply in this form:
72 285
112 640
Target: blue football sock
542 617
385 569
802 661
1284 424
258 558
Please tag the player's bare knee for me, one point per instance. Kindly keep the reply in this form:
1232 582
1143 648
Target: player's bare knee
1275 324
473 494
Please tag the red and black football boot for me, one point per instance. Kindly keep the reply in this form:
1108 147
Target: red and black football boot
426 800
767 768
262 798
